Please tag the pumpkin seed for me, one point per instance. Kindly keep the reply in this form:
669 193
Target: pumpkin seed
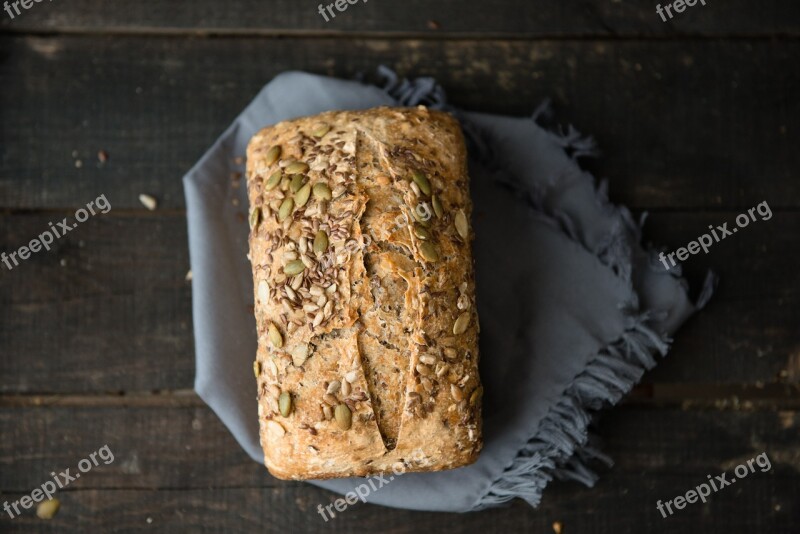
320 129
275 336
294 267
420 217
256 368
461 324
437 206
422 181
320 242
476 396
285 404
421 232
461 224
286 209
272 155
302 195
322 191
428 251
273 180
47 509
296 183
344 417
296 167
255 217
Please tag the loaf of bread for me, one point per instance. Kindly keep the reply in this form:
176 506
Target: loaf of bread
360 244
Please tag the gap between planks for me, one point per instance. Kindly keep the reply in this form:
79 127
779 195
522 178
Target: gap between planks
767 397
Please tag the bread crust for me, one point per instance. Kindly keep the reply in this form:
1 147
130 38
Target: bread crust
376 318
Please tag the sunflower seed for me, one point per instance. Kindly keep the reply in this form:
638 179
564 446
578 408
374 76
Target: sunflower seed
320 242
148 202
302 195
296 167
275 428
296 183
346 388
426 384
318 319
344 417
461 324
334 387
415 189
351 376
456 392
297 281
290 292
476 396
320 129
275 336
427 359
263 291
330 399
286 209
322 191
423 369
422 181
273 180
273 369
461 224
274 391
327 413
256 368
294 267
428 251
272 155
437 206
255 217
285 404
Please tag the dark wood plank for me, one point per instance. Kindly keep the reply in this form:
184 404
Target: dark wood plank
765 505
117 315
417 17
695 124
163 446
194 477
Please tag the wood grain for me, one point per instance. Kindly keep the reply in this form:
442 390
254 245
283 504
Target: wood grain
155 104
194 477
117 315
444 18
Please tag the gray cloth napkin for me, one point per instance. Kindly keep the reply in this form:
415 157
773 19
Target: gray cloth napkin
572 308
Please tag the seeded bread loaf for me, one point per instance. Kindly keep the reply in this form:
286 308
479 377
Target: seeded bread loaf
364 294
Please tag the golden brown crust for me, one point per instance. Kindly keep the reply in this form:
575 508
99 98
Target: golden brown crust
364 294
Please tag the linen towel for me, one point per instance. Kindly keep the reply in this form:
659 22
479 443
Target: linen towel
572 308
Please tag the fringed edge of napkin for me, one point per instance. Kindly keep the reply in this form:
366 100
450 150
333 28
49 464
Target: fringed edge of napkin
562 447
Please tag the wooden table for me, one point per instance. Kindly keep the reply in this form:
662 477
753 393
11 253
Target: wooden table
698 121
